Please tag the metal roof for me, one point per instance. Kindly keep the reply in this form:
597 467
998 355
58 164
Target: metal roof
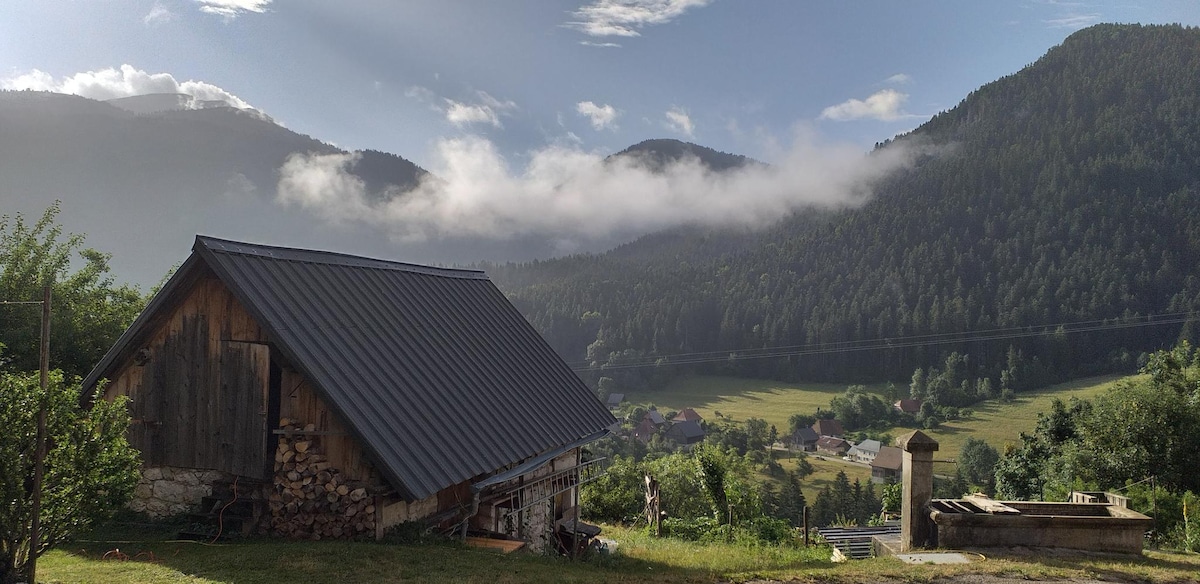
434 371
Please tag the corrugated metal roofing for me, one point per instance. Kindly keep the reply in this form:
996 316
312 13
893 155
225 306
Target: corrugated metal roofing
437 374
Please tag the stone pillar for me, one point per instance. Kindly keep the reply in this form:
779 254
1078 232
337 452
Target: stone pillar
918 489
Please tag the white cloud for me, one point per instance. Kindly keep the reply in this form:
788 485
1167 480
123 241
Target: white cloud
899 79
572 195
158 14
487 110
126 82
312 181
461 114
601 116
886 105
679 121
230 9
624 18
1073 20
601 45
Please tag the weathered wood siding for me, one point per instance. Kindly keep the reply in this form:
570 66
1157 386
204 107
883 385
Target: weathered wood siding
300 402
200 400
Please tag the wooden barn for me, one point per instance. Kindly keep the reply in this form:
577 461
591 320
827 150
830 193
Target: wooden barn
342 395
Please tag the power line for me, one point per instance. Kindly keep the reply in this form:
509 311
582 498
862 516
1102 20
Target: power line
893 342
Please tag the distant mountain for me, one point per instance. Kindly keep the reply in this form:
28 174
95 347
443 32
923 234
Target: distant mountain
658 153
144 174
1066 193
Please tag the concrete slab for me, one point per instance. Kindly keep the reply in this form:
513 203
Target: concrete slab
934 558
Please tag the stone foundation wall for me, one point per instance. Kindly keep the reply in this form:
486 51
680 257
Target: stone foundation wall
164 491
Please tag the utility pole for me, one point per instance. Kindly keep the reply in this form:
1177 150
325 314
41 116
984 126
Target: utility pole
39 456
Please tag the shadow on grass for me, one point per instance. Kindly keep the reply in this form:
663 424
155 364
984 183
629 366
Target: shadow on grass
260 560
1176 567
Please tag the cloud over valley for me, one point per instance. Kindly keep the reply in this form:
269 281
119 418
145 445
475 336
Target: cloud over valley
567 193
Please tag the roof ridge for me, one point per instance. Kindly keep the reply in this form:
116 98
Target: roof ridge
228 246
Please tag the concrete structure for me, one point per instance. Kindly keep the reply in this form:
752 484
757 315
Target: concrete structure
981 522
917 478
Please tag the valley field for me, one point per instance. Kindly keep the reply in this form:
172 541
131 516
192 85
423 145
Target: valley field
993 421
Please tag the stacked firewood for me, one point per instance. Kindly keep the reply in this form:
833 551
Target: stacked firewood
310 499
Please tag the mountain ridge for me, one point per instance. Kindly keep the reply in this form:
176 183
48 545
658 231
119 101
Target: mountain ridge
1066 192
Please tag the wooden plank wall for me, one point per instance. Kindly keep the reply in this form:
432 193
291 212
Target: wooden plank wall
200 400
299 401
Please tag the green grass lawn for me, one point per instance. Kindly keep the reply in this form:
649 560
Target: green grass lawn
640 558
738 399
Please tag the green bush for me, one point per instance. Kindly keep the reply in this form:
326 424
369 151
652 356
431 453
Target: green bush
90 468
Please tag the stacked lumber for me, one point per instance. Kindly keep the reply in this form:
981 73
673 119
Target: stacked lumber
310 499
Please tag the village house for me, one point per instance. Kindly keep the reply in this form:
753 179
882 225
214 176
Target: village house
832 446
864 451
345 395
885 467
828 428
805 439
908 406
614 401
645 430
655 418
687 415
685 433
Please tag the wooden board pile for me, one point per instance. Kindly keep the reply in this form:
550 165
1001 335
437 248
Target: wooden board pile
310 499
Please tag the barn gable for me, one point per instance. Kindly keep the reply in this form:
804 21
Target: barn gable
432 371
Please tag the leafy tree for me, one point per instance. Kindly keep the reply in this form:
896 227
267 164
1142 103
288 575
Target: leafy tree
1024 469
89 310
90 469
618 495
757 434
978 463
1142 428
798 421
856 408
712 479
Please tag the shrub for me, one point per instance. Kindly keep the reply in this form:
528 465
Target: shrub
90 469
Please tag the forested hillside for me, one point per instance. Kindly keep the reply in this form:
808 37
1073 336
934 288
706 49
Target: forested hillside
1068 192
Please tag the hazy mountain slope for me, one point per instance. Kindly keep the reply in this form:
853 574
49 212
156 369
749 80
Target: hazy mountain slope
142 184
1067 192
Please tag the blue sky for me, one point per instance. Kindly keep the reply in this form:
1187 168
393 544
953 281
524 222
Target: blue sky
514 106
736 75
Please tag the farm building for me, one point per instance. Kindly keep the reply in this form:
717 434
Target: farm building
350 392
805 439
828 428
685 433
864 451
832 446
886 466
